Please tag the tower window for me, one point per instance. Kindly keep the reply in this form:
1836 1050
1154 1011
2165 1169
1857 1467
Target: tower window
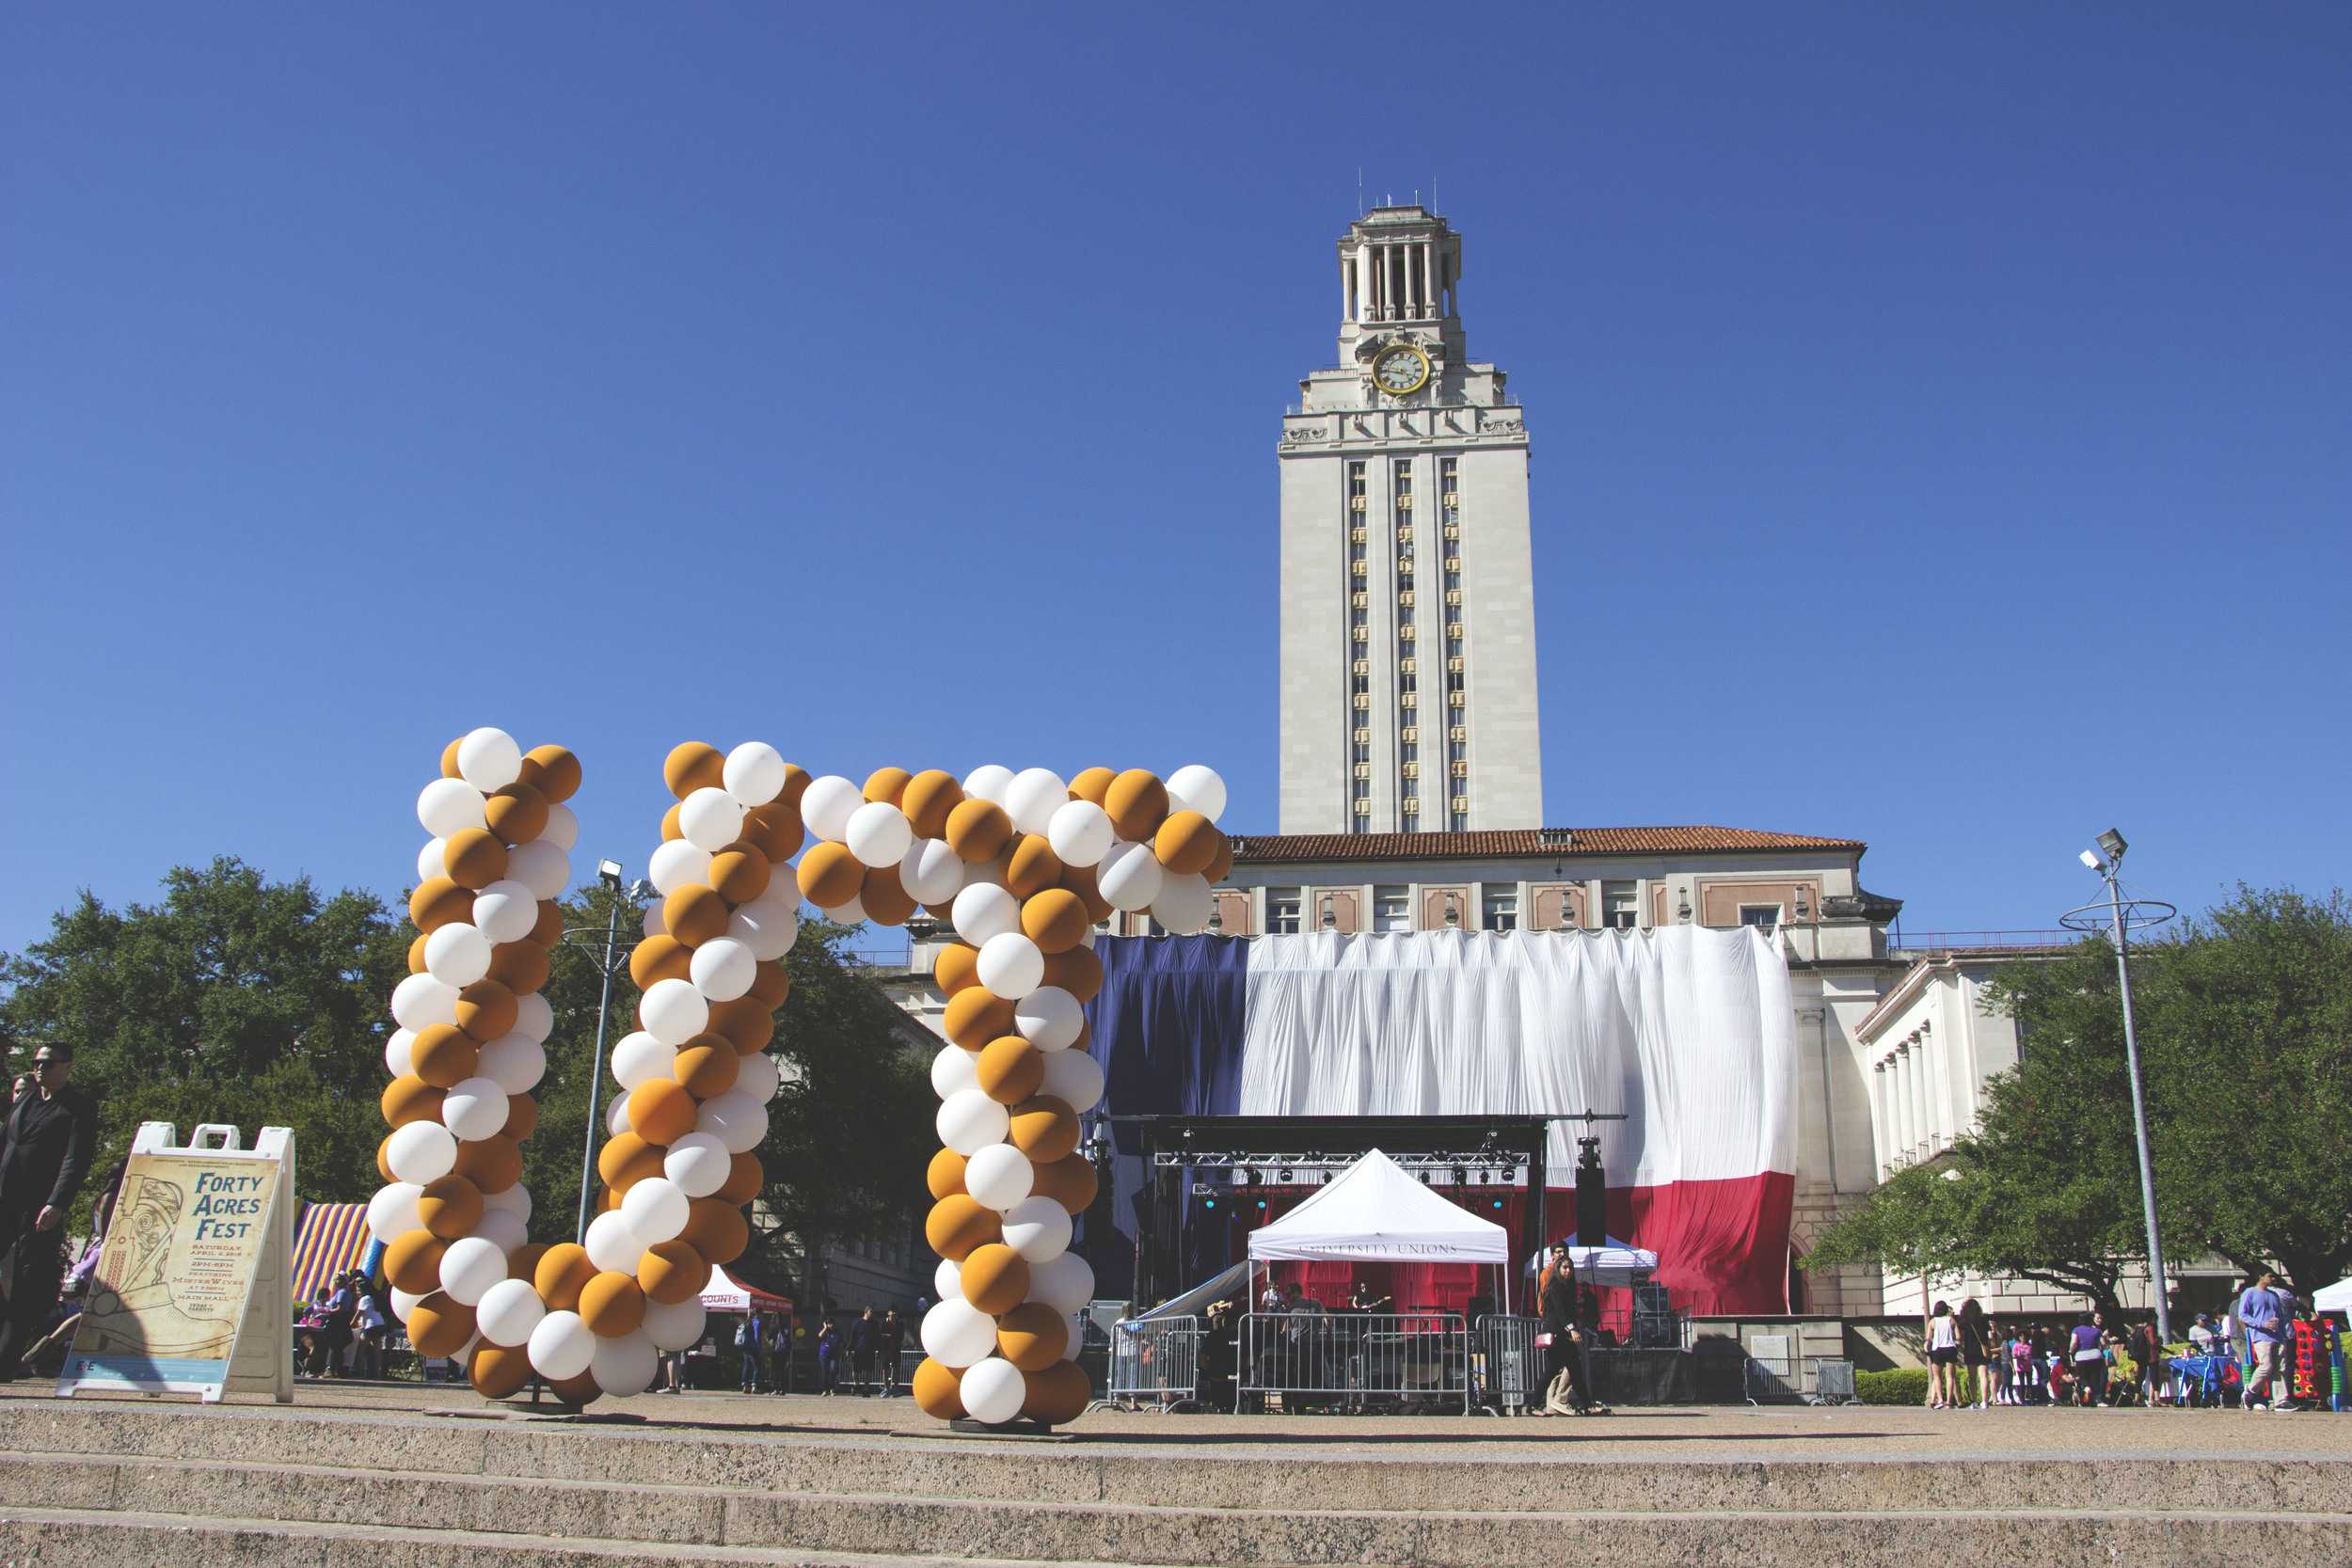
1499 908
1282 910
1618 906
1391 908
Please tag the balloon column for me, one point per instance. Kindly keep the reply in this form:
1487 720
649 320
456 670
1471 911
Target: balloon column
453 1214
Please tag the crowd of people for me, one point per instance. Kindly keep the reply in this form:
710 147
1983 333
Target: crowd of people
860 1355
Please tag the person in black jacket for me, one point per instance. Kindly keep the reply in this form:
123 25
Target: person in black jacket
861 1346
1557 1305
45 1152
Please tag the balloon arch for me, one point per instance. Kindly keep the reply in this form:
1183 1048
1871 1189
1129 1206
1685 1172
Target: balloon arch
1022 866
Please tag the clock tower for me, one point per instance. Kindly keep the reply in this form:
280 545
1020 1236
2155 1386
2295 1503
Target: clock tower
1408 615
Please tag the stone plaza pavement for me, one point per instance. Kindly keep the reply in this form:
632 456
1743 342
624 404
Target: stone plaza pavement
359 1476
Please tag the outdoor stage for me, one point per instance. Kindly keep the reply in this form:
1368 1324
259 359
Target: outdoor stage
375 1477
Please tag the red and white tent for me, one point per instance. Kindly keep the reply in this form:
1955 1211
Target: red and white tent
726 1293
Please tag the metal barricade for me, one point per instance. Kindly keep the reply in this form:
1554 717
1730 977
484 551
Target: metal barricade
1832 1382
1771 1368
1355 1361
1154 1364
1505 1365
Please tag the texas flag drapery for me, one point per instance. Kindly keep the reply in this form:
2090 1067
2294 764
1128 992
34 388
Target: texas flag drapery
1685 1029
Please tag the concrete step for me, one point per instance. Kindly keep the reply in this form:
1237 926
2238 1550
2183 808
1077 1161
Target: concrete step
611 1515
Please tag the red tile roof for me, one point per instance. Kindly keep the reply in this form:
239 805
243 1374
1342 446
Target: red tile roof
1524 843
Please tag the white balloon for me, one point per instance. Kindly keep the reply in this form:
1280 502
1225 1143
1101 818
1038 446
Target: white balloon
652 923
655 1208
421 1000
953 1070
514 1200
998 1176
515 1063
826 806
613 1244
993 1391
722 968
879 835
988 783
474 1110
1066 1283
1075 1077
392 1211
448 806
488 759
1037 1229
850 913
1050 1018
1184 904
1011 965
758 1077
640 1058
625 1365
429 862
420 1151
956 1334
755 773
534 1019
969 1121
563 829
616 1115
984 911
508 1311
988 873
770 923
503 1227
1129 878
504 911
402 1303
469 1268
1194 787
540 866
561 1345
457 955
947 1280
931 872
698 1164
1033 796
734 1119
1080 832
397 1060
675 864
672 1011
674 1325
711 820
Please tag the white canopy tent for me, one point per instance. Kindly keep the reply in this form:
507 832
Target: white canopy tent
2333 1298
726 1293
1373 1212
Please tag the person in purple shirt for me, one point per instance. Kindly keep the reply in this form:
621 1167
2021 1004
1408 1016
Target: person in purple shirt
2264 1316
2089 1362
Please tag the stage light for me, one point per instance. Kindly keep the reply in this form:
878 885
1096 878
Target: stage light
1461 1177
1261 1203
1498 1203
1212 1203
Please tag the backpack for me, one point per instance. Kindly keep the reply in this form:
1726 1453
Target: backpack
746 1336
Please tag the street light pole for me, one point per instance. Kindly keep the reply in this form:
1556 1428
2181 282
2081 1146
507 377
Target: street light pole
609 873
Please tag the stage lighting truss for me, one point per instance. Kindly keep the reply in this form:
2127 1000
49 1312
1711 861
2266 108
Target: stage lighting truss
1246 1168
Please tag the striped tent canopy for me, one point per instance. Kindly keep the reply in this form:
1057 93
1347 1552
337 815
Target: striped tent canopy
328 1239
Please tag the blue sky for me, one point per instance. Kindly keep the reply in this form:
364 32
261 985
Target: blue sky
1940 420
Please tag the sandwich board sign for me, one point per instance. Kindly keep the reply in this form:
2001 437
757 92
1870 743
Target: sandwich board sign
193 1291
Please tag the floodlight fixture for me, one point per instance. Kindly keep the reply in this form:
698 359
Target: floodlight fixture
2112 841
2090 859
609 873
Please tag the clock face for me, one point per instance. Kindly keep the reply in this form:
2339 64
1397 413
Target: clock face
1401 370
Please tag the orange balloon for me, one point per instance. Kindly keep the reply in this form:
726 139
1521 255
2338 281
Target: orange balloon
439 1325
1056 1396
886 784
612 1304
771 984
449 759
440 902
747 1021
416 957
1077 972
1093 784
551 928
562 1275
485 1010
795 784
522 1118
938 1392
829 875
383 1159
1045 1129
523 1262
660 957
1032 1337
625 1160
995 1278
957 967
716 1230
926 799
671 831
693 766
408 1098
1137 802
412 1261
1032 866
521 967
450 1207
744 1180
672 1271
1071 1181
978 831
975 1016
944 1175
1055 919
1186 844
473 858
885 897
498 1372
660 1111
740 872
775 827
516 813
1222 865
958 1224
580 1391
706 1070
492 1163
443 1055
554 771
1010 1070
695 914
1080 879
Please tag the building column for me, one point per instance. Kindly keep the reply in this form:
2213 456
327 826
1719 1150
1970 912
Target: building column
1428 278
1346 273
1878 1138
1904 1122
1363 284
1920 1131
